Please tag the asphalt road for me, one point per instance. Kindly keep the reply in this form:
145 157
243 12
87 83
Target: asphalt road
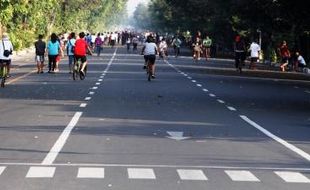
187 129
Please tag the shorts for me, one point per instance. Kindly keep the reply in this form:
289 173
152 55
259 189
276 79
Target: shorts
5 61
40 58
150 58
58 58
285 59
254 59
80 57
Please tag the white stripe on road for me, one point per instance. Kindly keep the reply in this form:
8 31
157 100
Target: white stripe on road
41 172
91 173
199 85
241 176
192 175
91 93
88 98
279 140
212 95
95 87
100 80
307 91
221 101
53 153
138 173
83 105
231 108
293 177
2 169
98 83
194 81
205 90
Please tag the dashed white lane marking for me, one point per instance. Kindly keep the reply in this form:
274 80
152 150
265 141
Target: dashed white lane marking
2 170
100 80
212 95
91 93
83 105
293 177
276 138
198 85
192 175
88 98
53 153
101 77
91 173
221 101
194 81
138 173
241 176
41 172
98 83
231 108
190 78
307 91
205 90
94 88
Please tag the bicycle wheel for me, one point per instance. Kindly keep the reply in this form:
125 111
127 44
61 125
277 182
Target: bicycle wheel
75 72
3 76
149 72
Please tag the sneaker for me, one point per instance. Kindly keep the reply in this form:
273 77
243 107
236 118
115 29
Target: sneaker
153 76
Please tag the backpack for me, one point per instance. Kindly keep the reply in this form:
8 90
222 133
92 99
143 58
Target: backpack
72 47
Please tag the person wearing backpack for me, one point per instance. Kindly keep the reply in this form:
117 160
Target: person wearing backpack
40 47
6 49
70 50
53 49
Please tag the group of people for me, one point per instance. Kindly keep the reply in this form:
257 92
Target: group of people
77 49
201 46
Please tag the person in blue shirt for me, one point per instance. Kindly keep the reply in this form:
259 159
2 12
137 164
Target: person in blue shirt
70 50
53 49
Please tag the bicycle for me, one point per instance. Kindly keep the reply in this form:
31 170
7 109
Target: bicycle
149 70
77 69
3 74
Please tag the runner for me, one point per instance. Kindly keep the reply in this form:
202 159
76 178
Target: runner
98 44
40 47
135 43
285 55
163 48
255 50
197 49
206 44
80 51
176 46
239 53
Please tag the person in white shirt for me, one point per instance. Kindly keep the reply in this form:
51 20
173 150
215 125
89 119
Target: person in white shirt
163 47
300 62
255 50
150 51
6 45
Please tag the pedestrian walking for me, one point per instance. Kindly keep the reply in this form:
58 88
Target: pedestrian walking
40 47
206 44
239 47
255 51
70 50
54 49
285 55
98 44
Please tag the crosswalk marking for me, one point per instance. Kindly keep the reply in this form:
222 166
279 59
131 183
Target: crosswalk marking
192 175
2 168
139 173
293 177
241 176
90 173
41 172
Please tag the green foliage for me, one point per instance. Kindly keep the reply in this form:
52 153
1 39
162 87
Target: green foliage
25 19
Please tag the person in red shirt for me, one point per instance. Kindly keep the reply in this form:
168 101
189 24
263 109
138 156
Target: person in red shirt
80 50
285 55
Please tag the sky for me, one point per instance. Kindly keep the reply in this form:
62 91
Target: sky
132 4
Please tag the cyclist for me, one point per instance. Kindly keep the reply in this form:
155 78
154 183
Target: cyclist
80 51
150 51
6 48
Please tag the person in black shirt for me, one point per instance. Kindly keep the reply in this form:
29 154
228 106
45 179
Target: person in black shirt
40 51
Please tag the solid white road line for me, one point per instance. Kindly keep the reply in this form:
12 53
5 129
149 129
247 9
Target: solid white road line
41 172
91 173
231 108
139 173
192 175
83 105
293 177
2 168
241 176
279 140
53 153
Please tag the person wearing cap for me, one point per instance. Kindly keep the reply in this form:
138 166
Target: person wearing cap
6 46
